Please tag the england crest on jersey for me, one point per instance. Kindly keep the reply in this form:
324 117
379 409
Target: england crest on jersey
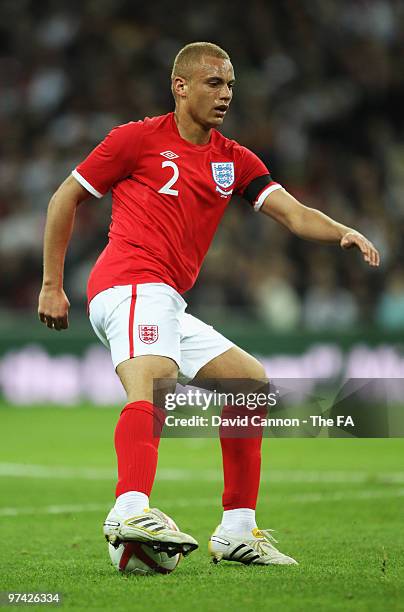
148 333
223 175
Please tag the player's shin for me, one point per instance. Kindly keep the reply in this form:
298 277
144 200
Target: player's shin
137 437
241 452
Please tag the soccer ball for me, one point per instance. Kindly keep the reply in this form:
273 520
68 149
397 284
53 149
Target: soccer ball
140 558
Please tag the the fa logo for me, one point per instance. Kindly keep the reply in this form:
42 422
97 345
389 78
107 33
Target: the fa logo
223 175
148 333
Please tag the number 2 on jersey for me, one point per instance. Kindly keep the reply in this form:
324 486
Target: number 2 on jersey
167 187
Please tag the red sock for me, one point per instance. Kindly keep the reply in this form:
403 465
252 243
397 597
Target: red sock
137 437
241 461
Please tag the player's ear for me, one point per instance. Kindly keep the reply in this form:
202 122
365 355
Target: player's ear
179 87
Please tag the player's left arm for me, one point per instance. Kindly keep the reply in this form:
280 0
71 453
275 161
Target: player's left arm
312 224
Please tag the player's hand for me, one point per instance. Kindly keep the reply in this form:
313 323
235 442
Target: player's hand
355 239
53 308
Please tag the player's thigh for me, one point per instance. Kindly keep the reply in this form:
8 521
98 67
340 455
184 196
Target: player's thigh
208 357
234 363
233 371
140 325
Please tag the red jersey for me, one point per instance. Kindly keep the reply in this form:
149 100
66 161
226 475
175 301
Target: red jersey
168 196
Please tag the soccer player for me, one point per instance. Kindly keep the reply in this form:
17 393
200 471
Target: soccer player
172 178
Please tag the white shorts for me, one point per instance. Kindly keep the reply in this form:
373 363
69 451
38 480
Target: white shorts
150 319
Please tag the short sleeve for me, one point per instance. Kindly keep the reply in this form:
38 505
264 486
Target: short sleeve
111 161
255 182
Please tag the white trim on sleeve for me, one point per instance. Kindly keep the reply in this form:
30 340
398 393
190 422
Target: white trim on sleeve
86 184
264 193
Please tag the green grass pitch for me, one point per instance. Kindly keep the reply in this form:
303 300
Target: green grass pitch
337 506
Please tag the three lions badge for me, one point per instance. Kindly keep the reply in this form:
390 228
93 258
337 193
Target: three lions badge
223 175
148 333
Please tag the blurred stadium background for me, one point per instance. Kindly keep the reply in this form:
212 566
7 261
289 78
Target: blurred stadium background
319 96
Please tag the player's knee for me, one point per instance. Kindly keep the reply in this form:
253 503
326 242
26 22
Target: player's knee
256 371
243 365
252 381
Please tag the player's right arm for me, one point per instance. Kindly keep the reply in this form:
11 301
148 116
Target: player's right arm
53 304
109 162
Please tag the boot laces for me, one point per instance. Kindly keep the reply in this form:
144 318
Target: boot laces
264 540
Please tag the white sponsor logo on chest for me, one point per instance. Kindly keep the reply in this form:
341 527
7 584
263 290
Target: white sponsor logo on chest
223 175
169 154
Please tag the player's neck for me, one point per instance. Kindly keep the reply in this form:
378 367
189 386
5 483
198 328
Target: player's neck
191 131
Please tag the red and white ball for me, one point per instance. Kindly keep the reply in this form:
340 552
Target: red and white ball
139 558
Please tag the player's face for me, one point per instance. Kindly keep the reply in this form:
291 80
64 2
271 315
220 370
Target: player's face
209 91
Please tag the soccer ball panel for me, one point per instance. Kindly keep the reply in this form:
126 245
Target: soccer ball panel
140 558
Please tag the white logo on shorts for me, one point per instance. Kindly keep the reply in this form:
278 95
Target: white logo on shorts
148 333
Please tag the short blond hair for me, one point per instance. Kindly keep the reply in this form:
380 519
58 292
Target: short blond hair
192 53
